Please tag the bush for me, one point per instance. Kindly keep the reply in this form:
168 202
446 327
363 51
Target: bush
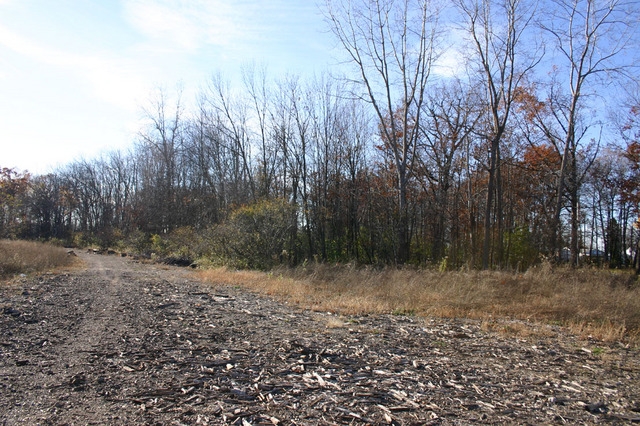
181 247
255 236
522 253
83 239
137 242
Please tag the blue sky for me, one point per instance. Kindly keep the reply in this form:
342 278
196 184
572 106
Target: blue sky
74 74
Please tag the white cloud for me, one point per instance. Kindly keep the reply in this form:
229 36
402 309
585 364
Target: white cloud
175 24
236 28
176 40
163 24
452 62
84 72
449 64
117 83
115 80
25 47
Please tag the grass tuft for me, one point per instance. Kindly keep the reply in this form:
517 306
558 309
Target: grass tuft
592 303
24 257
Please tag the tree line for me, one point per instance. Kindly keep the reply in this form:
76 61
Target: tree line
496 165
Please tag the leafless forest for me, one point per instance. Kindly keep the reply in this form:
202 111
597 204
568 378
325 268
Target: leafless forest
527 147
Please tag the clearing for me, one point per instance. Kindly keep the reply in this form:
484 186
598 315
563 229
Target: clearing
120 342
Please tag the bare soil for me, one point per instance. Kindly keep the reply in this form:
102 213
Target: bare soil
125 343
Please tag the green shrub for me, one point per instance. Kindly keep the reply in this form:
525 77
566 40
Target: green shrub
182 243
158 245
522 252
255 236
137 242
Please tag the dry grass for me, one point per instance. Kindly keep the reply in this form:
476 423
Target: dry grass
24 257
597 303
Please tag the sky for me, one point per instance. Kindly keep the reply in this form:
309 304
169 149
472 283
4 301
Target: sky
75 74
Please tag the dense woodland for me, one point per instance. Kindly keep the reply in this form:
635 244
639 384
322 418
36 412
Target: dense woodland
529 149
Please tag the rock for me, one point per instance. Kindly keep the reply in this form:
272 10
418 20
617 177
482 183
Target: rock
597 408
12 312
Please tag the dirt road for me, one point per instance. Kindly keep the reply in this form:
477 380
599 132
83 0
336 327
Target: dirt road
126 343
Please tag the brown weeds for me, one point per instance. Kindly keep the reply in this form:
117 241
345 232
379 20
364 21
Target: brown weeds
23 257
597 303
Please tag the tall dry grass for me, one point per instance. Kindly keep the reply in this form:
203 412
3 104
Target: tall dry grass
23 257
603 304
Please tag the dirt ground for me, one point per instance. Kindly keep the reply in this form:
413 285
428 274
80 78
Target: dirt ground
125 343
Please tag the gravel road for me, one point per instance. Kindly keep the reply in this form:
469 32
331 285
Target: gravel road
119 342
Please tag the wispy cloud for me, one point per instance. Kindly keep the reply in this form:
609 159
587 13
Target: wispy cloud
452 60
104 58
112 79
31 49
173 34
235 28
180 25
450 63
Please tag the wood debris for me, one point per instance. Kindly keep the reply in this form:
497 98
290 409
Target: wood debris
137 345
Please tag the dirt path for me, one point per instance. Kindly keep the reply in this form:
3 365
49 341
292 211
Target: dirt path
125 343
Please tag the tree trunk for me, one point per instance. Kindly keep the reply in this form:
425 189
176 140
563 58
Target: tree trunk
402 231
486 247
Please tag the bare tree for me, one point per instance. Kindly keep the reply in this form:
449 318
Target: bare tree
392 44
259 95
498 29
231 116
161 142
451 114
591 40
